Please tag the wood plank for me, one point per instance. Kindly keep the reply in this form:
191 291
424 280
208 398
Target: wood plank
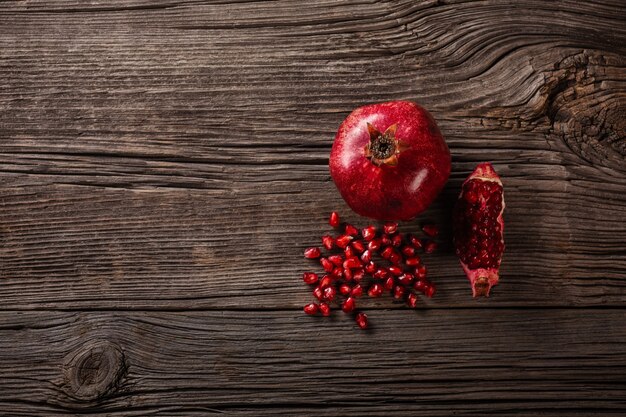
279 362
173 154
74 247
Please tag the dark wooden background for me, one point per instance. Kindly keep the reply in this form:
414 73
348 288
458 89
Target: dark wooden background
164 163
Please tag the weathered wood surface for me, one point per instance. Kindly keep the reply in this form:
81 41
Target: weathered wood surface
139 363
172 156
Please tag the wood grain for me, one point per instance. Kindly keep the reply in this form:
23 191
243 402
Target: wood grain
164 163
548 362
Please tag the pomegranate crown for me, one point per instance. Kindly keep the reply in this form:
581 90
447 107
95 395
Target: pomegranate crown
384 148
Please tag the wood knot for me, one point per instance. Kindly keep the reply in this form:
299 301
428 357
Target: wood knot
585 103
94 371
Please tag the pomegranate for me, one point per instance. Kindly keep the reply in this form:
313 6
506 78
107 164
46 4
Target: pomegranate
479 228
389 160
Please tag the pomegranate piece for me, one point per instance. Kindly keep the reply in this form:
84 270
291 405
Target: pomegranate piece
352 263
390 227
386 253
345 289
420 272
411 300
389 160
370 267
343 241
312 253
357 291
326 264
405 279
326 281
376 290
310 277
430 289
375 244
397 271
430 246
430 230
348 305
358 246
385 240
358 274
324 309
412 261
395 258
336 259
369 233
398 292
351 230
389 283
479 228
366 256
328 242
361 320
317 293
329 293
334 221
348 252
408 251
311 309
396 241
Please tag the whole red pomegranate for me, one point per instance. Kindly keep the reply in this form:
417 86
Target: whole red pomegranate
479 228
389 160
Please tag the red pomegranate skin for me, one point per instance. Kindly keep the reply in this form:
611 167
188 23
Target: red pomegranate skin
387 191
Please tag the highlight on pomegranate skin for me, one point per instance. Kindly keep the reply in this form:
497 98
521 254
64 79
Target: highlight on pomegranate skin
389 160
479 228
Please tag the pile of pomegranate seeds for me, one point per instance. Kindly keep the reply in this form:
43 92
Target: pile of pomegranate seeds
368 261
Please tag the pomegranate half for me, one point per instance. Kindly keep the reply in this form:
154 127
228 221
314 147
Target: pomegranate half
479 228
389 160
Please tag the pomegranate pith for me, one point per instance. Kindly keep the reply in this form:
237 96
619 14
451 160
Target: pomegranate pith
479 228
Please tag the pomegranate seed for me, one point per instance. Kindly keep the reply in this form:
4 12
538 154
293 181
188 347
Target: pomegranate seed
370 267
347 274
317 293
395 258
366 256
326 281
357 275
378 274
420 272
405 279
348 305
326 264
361 320
420 286
337 272
358 246
312 253
336 259
412 261
385 240
310 277
375 245
328 242
343 241
430 290
376 290
430 230
409 251
357 291
368 233
324 309
389 283
329 293
311 309
386 253
390 227
345 289
430 246
334 219
352 263
348 252
415 242
397 271
398 292
411 300
351 230
396 241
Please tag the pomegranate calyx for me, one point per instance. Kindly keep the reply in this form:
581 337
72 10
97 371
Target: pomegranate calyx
384 148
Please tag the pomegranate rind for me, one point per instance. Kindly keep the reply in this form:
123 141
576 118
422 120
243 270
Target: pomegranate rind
483 279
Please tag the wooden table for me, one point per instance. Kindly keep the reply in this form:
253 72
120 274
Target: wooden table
164 163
